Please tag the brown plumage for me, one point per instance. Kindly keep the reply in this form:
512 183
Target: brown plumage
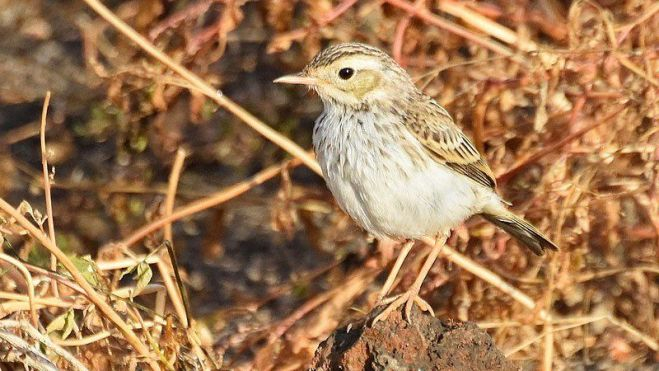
446 143
395 160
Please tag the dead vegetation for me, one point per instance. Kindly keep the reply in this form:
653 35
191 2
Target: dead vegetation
560 96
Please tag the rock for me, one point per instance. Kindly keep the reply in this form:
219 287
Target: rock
427 344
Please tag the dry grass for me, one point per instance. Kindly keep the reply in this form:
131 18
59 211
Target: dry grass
562 99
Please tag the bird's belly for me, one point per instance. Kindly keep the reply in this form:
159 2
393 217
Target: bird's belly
423 203
382 177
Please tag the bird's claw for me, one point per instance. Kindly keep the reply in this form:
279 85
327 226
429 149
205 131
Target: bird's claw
409 299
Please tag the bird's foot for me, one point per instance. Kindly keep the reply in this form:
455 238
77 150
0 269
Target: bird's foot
408 298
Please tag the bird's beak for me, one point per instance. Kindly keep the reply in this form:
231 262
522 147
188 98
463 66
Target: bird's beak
298 79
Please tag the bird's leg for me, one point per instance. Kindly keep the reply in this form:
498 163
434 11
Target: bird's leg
394 270
411 296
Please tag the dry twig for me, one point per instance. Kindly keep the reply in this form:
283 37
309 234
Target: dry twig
45 340
30 285
163 267
46 185
90 292
217 96
207 202
456 29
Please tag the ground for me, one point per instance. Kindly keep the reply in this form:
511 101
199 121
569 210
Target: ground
560 97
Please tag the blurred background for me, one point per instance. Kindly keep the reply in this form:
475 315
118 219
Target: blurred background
560 96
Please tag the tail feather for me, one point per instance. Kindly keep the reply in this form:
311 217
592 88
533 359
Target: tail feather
522 230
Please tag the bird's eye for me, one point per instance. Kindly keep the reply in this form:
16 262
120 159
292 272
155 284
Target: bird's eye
346 73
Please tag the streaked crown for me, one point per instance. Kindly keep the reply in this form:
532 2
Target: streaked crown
336 52
355 74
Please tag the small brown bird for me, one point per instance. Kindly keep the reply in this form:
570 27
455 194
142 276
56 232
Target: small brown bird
396 162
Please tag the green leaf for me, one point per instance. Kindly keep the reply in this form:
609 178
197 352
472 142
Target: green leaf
65 323
144 275
128 271
87 268
25 208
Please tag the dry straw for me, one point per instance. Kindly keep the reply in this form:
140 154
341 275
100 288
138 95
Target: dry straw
128 322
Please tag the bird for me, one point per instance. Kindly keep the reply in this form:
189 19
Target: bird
397 163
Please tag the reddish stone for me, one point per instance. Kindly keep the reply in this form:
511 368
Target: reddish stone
427 344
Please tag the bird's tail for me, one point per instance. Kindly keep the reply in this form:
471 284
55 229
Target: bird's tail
522 230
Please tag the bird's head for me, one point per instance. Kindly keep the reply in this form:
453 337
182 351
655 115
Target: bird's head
354 75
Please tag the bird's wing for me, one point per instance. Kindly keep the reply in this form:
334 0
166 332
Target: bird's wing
446 143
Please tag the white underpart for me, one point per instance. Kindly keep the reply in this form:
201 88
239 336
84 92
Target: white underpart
367 183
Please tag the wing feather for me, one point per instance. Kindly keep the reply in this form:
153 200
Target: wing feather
434 128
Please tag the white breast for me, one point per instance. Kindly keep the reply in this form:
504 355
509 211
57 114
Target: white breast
382 187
